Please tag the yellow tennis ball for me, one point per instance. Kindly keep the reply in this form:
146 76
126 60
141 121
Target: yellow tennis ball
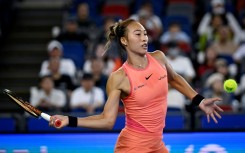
230 85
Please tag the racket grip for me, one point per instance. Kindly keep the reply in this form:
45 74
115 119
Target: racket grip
57 123
47 117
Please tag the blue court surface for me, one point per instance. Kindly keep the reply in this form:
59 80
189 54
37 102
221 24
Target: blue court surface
205 142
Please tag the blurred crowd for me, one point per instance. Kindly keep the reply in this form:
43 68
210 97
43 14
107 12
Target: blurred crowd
202 39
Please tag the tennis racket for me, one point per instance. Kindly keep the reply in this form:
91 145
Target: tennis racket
29 108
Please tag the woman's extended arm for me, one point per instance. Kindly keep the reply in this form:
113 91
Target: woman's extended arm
175 80
179 83
107 118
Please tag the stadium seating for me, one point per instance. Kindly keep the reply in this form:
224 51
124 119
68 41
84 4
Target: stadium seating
7 124
75 51
158 6
116 10
229 121
93 6
175 120
183 9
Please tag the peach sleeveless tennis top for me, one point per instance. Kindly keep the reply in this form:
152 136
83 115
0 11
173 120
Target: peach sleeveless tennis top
146 105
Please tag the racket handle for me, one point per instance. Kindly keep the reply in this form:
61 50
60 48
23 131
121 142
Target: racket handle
57 123
45 116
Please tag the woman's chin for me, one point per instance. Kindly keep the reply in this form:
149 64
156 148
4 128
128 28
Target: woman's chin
145 50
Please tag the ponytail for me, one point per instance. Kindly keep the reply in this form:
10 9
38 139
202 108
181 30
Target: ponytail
118 30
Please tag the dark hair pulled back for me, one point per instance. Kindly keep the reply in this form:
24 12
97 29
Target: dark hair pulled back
118 30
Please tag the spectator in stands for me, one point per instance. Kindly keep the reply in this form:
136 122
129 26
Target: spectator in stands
209 62
242 21
222 67
47 98
217 17
239 53
239 58
87 98
241 91
224 45
207 33
102 34
100 79
96 67
71 32
176 101
181 64
215 88
149 20
111 56
108 64
55 50
61 81
175 34
85 23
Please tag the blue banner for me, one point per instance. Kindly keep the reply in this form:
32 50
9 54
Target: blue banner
206 142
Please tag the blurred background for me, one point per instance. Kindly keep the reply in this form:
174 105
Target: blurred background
51 55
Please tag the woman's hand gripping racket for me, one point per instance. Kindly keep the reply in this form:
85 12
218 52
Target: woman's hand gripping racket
29 108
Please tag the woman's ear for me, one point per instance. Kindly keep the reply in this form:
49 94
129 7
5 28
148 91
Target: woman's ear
123 41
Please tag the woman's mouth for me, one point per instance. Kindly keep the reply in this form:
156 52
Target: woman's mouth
145 46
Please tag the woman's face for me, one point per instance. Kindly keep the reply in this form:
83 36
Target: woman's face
136 39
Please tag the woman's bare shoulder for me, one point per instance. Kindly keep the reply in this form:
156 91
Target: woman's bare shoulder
159 56
117 77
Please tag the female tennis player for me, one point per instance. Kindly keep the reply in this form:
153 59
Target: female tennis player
142 84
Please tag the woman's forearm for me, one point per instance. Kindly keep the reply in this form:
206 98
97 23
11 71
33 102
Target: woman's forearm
95 122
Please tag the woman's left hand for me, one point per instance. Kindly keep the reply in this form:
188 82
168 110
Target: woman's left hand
210 108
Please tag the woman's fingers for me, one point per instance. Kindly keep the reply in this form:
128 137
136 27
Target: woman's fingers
211 100
208 118
52 121
217 114
218 108
213 117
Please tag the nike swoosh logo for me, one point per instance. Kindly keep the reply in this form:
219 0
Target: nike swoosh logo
148 76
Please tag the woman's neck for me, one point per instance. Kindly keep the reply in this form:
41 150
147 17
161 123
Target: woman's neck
137 61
